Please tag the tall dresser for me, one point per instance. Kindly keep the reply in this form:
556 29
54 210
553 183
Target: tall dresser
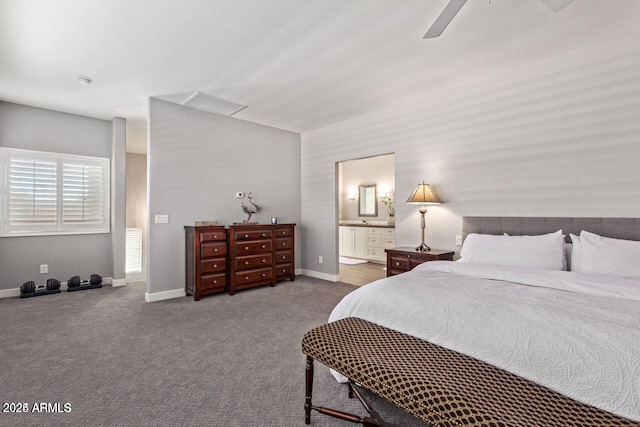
260 255
206 260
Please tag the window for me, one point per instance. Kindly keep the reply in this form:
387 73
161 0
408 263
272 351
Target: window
48 193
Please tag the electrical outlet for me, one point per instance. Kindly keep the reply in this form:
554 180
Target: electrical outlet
162 219
44 268
459 240
320 260
239 194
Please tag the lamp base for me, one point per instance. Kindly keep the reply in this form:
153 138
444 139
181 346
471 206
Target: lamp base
423 248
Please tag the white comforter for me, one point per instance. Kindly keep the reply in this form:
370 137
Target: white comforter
576 334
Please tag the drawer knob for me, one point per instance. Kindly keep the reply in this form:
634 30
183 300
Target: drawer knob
246 277
284 232
246 248
284 256
283 270
264 234
215 281
246 263
264 260
284 244
215 236
264 274
246 236
263 246
408 256
397 263
215 265
215 250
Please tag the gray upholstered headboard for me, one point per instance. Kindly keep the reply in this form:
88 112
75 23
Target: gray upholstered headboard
618 228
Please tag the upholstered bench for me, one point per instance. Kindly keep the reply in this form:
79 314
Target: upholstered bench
437 385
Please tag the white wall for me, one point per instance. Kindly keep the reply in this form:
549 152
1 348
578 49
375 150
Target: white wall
557 138
137 204
197 162
379 170
33 128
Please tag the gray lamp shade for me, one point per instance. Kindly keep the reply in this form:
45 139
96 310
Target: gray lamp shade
423 195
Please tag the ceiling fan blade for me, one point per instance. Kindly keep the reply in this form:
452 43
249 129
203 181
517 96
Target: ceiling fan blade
445 17
556 5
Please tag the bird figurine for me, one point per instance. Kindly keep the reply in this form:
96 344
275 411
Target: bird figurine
250 212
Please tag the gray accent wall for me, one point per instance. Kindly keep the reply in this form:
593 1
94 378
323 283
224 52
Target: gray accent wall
46 130
197 161
560 137
118 186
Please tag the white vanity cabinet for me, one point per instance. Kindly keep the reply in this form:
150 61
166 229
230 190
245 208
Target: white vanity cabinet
366 242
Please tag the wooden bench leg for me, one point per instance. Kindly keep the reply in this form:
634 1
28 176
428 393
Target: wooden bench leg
308 390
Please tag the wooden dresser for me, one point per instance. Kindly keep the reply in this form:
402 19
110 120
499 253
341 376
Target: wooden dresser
206 260
400 260
260 255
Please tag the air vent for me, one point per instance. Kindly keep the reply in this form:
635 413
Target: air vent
213 104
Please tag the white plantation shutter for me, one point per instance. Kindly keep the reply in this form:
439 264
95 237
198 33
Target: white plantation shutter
32 192
82 194
49 193
133 251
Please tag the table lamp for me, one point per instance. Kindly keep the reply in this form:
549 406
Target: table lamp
423 195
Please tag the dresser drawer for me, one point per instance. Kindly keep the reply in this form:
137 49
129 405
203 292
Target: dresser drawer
213 236
374 253
388 242
253 248
400 263
373 241
284 243
253 235
244 277
213 265
212 249
253 262
283 232
283 270
374 231
389 231
213 282
283 257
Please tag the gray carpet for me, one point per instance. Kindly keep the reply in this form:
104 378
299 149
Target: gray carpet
222 361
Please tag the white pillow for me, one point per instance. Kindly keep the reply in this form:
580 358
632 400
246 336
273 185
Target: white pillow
610 257
543 252
576 253
566 254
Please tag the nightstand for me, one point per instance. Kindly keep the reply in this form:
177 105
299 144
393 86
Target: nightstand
404 259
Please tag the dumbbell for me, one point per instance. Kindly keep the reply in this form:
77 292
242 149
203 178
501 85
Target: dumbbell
30 286
75 281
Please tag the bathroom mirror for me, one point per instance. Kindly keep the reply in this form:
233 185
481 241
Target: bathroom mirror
367 202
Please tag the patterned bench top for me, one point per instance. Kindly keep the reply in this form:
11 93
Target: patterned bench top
441 386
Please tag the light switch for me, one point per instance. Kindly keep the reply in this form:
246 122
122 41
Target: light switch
162 219
459 240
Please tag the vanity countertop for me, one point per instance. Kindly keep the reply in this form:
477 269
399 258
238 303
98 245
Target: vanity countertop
378 224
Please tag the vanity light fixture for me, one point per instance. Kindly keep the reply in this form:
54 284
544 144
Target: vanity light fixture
423 195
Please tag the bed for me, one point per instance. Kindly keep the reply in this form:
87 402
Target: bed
574 332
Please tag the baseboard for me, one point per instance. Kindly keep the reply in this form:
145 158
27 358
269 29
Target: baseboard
9 293
298 271
159 296
323 276
118 282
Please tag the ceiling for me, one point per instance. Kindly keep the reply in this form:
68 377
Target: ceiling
298 65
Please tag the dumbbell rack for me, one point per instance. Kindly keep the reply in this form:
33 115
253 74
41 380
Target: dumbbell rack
85 284
40 290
